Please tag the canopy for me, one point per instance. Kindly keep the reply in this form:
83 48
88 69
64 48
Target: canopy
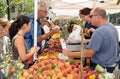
72 7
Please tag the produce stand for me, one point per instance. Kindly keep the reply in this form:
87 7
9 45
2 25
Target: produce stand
50 66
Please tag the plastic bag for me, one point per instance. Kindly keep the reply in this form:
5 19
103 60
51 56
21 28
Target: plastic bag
75 36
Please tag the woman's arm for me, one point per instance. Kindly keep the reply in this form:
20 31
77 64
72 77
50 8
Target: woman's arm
20 44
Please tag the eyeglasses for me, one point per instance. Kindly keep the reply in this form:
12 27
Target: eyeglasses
43 11
92 16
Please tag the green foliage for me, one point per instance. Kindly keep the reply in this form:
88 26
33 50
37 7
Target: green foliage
2 8
21 7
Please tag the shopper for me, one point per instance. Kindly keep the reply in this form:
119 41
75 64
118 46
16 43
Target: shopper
17 31
88 27
103 47
4 40
29 37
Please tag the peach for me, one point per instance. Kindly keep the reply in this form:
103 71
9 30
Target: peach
64 72
22 77
60 75
77 70
69 76
69 69
61 65
44 77
46 73
35 77
63 78
75 75
30 76
67 64
57 70
54 76
49 67
25 74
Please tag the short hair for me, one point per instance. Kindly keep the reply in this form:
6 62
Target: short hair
85 11
101 12
41 5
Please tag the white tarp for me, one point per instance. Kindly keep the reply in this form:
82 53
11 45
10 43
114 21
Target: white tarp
72 7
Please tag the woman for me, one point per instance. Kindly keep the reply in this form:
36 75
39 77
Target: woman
17 31
4 26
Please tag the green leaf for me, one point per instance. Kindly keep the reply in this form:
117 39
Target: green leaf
53 66
43 69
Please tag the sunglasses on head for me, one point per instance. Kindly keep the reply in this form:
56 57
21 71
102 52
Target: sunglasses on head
92 16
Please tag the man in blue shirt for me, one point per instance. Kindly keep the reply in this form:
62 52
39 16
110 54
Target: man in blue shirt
29 37
104 45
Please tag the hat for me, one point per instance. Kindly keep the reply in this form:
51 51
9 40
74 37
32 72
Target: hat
50 22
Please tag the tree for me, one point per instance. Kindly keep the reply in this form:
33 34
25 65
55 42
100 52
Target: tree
21 7
2 8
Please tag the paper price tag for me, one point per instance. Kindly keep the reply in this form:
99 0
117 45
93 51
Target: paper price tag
63 44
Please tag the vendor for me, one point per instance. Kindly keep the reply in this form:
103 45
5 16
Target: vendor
104 46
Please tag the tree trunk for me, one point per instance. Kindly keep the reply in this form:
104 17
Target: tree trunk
8 10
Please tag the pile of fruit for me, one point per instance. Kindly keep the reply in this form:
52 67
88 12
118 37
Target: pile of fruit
98 73
50 67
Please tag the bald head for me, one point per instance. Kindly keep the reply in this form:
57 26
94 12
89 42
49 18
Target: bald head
98 16
42 6
100 11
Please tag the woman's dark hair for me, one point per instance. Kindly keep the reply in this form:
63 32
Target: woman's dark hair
85 11
17 24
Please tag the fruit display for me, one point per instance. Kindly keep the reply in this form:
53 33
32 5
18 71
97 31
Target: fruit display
98 73
50 67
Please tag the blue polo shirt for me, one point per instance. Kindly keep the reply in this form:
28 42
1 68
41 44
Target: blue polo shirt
29 37
105 42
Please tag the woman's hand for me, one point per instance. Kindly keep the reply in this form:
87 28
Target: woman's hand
34 49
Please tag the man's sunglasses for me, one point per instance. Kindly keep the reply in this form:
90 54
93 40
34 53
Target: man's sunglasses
92 16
